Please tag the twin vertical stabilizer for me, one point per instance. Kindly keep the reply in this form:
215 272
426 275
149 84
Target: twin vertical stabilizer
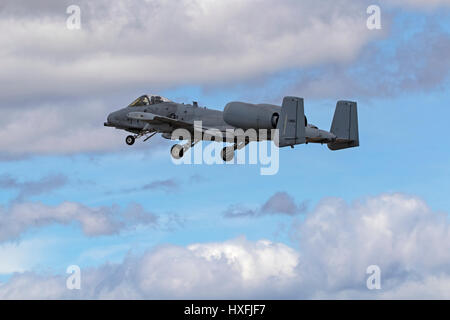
291 123
345 126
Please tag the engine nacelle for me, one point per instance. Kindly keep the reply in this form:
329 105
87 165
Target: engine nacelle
257 116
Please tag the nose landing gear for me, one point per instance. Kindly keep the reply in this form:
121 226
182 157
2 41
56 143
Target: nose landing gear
130 140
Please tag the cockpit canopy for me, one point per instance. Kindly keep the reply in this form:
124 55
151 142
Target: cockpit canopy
147 100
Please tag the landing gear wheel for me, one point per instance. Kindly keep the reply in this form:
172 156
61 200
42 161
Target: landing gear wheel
177 151
227 154
130 140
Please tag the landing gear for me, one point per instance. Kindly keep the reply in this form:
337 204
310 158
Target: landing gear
177 151
227 153
130 140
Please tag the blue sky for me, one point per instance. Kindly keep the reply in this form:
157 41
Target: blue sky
403 115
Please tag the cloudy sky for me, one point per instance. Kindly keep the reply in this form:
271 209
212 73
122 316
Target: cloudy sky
139 226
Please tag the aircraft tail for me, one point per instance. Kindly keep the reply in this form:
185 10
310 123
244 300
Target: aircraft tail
291 123
345 126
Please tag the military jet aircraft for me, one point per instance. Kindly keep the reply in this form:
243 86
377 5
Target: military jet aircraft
151 114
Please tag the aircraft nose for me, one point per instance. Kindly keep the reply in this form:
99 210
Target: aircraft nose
111 119
116 118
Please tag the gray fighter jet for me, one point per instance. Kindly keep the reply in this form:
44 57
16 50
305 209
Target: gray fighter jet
152 114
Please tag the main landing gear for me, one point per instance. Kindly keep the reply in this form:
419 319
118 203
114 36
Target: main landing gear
178 150
227 153
130 140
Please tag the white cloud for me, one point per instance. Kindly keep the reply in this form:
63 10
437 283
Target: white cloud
160 43
414 63
61 130
255 262
29 286
235 268
20 257
21 217
125 47
400 233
